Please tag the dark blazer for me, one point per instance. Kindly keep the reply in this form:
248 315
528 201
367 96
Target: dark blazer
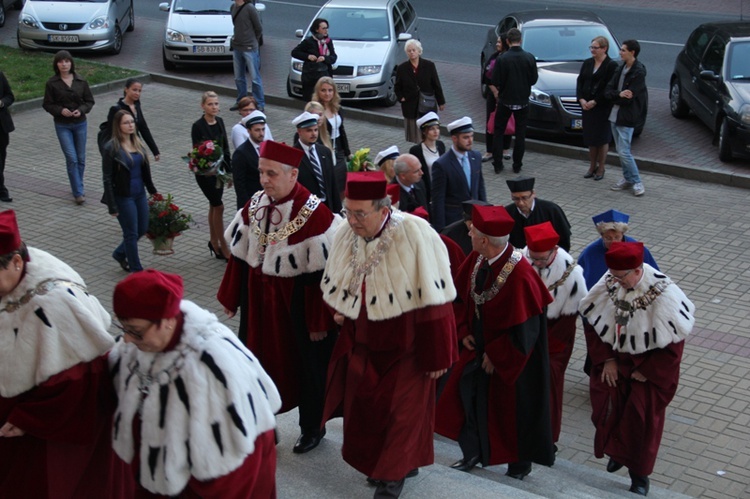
426 179
409 203
202 131
141 126
590 85
307 178
58 96
313 71
245 174
449 187
7 98
408 86
631 110
514 74
116 177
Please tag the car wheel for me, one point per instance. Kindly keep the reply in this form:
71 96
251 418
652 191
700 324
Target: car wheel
168 65
117 45
289 87
677 105
725 148
2 14
482 86
131 20
390 98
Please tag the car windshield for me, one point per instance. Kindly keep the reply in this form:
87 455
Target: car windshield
564 43
202 6
74 1
359 25
739 61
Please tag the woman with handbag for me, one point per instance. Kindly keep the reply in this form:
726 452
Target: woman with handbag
491 103
417 88
318 56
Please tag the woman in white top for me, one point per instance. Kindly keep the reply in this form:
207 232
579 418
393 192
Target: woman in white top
246 105
430 149
327 94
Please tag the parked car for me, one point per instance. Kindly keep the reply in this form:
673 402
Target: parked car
6 5
75 25
712 78
198 32
559 39
368 37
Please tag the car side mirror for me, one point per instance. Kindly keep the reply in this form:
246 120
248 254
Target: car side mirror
299 33
404 37
164 6
708 75
260 7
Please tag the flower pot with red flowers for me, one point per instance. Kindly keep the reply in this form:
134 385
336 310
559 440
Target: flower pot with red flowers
166 221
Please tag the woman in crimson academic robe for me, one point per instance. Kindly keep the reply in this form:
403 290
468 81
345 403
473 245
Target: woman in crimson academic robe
55 395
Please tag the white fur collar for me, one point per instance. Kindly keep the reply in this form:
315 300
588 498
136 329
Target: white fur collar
414 272
568 294
280 259
668 319
208 401
53 331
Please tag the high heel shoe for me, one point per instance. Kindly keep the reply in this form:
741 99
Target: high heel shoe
588 174
599 175
214 253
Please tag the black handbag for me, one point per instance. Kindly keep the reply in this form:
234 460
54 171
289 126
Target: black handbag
427 103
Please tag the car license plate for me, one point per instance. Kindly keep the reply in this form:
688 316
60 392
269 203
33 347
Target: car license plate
208 49
576 124
343 88
63 38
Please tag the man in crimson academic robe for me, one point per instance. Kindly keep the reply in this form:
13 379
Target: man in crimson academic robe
496 400
640 319
55 390
565 282
389 281
279 242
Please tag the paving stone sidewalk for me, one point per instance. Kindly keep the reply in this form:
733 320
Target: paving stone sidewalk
695 231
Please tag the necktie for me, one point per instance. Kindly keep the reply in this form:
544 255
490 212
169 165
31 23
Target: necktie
318 174
467 169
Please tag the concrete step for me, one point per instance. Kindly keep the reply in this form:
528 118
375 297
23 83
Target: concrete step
322 473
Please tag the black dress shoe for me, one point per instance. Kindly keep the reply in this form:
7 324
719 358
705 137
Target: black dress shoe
518 470
613 465
639 485
123 264
499 168
308 441
234 107
516 169
466 463
6 199
375 481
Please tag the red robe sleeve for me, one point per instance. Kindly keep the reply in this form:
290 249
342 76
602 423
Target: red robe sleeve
435 337
229 290
510 351
661 366
598 350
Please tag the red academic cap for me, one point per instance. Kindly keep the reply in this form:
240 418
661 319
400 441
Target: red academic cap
624 256
363 186
276 151
10 238
394 191
421 213
492 220
541 237
150 295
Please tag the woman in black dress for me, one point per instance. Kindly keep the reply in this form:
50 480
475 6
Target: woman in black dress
592 80
412 77
211 127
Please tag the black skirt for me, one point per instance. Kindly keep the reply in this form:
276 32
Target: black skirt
596 127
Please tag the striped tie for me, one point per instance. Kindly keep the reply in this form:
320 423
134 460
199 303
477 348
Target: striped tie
318 174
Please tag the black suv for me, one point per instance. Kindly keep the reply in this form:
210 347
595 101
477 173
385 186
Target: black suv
712 78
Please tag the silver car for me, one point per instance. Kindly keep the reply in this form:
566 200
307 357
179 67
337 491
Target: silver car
368 37
95 25
198 32
6 5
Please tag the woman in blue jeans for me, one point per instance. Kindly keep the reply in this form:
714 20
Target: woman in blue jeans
68 98
127 175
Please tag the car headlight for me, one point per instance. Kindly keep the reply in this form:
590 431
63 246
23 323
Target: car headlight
297 66
368 70
175 36
29 21
744 114
99 23
540 98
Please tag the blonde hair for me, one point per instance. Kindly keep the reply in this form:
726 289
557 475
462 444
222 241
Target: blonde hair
318 108
118 138
384 168
336 101
208 95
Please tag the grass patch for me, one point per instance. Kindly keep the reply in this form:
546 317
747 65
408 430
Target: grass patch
28 72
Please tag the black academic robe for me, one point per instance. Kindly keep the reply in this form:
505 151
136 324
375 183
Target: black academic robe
544 211
245 174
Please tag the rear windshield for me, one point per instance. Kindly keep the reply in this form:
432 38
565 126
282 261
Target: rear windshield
362 25
565 43
202 6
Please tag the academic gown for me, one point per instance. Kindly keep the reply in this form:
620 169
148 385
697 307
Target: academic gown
515 340
544 211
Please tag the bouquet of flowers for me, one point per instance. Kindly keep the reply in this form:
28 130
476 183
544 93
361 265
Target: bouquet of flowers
166 219
360 161
207 158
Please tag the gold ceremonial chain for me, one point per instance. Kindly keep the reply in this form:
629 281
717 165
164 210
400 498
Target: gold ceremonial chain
41 289
384 242
566 274
497 284
287 230
624 310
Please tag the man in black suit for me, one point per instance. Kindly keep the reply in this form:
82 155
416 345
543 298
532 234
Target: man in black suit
514 74
409 178
316 168
456 176
245 173
6 126
527 210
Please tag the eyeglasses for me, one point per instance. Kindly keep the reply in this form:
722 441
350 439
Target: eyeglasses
621 277
544 259
594 47
612 239
359 215
138 335
516 199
